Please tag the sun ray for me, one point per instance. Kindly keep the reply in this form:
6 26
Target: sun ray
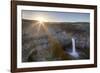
41 19
39 27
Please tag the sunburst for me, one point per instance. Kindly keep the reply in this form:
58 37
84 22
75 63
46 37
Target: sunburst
41 20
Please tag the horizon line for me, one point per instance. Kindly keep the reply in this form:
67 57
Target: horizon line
59 21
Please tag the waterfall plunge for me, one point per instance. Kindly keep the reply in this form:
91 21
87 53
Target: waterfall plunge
74 52
73 46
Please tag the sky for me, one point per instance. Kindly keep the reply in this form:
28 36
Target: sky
52 16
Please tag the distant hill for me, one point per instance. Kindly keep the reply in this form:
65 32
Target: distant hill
27 20
68 26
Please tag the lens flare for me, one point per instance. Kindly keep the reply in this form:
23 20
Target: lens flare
41 20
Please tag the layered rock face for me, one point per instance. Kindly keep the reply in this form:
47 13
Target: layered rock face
54 41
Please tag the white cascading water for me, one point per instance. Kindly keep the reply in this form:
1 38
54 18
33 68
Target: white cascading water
73 46
74 52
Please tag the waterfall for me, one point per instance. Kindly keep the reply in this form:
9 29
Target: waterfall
74 53
73 46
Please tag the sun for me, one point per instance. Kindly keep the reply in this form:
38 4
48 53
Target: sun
40 23
41 19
